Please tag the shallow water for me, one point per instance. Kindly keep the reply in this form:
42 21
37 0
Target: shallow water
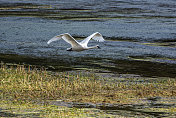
152 107
140 34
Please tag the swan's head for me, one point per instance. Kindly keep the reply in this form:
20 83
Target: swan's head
69 49
98 46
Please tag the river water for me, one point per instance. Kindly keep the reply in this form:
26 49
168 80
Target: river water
140 35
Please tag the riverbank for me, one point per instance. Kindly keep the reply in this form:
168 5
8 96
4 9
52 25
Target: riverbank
28 84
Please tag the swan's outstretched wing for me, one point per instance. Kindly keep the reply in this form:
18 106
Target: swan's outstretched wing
96 36
67 37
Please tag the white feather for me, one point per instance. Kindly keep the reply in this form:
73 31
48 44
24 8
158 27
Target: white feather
76 46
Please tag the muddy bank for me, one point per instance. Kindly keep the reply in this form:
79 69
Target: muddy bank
98 65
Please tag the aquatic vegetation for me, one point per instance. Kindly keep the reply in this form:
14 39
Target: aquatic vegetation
162 44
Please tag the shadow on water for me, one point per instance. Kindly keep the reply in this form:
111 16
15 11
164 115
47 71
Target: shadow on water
55 65
99 65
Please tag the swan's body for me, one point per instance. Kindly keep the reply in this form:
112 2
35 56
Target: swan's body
78 46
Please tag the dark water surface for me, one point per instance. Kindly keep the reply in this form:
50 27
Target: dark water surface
140 34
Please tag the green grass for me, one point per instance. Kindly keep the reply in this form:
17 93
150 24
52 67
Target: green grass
23 89
30 84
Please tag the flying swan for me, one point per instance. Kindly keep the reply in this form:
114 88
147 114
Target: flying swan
78 46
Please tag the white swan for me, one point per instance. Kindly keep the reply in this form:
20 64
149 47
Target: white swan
78 46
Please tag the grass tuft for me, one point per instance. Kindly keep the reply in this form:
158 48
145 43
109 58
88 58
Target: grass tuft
30 84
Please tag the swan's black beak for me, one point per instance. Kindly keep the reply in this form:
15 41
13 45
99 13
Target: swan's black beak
69 49
98 47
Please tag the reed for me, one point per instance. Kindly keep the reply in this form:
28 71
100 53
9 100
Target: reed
29 83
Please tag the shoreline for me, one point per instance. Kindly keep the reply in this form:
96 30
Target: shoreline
104 66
